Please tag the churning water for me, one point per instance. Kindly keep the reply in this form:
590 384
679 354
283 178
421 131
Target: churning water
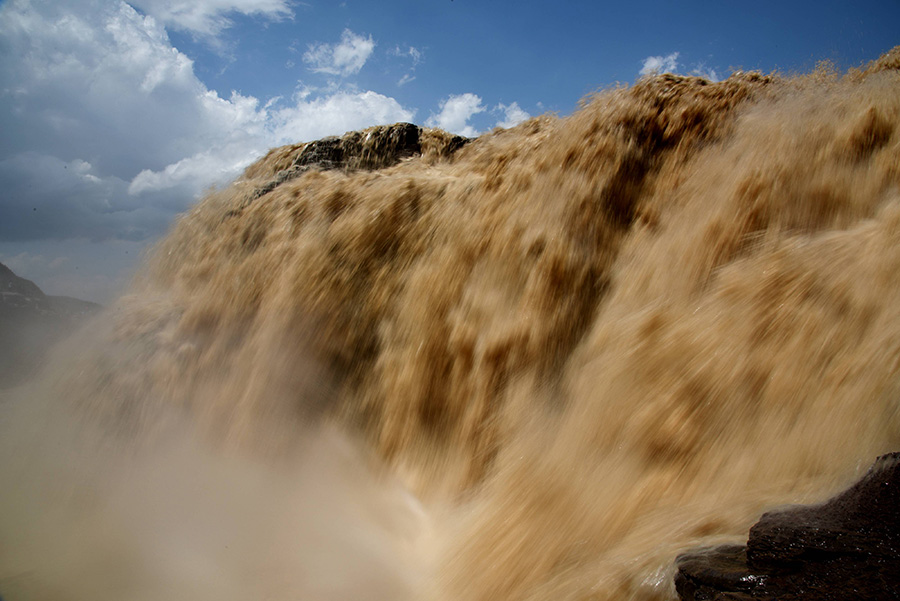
537 367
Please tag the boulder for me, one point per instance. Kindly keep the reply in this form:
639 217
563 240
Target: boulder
846 548
370 149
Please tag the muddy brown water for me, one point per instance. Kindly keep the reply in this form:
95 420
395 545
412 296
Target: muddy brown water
537 367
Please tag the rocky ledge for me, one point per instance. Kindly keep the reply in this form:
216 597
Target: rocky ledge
847 548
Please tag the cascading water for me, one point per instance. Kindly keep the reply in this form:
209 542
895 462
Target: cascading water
534 367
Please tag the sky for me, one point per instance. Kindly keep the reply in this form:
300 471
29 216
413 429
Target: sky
117 116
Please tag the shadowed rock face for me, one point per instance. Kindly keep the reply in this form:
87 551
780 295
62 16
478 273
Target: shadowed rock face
846 548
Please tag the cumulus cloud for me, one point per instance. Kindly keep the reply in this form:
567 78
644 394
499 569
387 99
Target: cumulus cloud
108 132
99 84
455 114
345 58
240 130
192 174
513 115
89 80
660 64
97 103
209 17
307 119
337 113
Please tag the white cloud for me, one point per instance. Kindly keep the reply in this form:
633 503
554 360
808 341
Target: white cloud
412 52
701 70
99 102
455 114
108 132
240 131
98 80
336 114
660 64
344 58
191 175
669 64
306 120
513 115
413 56
209 17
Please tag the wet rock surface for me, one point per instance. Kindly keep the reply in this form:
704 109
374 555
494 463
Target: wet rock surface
846 548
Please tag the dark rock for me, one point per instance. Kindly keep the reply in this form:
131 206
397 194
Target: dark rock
380 147
327 153
846 548
704 573
864 519
374 148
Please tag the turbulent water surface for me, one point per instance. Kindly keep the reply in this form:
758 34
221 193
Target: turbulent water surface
536 367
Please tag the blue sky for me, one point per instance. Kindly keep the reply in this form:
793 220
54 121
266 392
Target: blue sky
116 116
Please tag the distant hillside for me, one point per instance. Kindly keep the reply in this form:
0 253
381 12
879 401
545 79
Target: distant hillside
14 289
30 323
